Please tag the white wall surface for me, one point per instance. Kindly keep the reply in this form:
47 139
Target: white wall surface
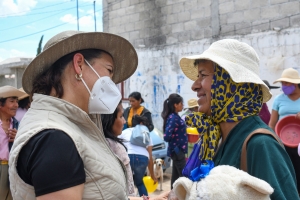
159 74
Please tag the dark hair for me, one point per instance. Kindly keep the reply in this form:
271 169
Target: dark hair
137 96
298 85
198 61
3 100
51 78
138 119
24 103
108 121
169 106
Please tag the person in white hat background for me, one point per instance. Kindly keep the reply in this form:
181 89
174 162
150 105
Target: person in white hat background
59 151
192 107
264 113
8 129
230 96
24 105
288 103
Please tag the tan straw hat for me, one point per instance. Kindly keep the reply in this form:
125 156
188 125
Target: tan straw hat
237 58
9 91
192 103
25 94
289 75
123 54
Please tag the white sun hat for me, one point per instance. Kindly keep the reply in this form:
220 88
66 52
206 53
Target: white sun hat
289 75
10 91
25 94
238 58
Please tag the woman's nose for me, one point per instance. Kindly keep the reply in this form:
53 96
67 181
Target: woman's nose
196 85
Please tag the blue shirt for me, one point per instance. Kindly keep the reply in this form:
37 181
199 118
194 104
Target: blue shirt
175 133
285 106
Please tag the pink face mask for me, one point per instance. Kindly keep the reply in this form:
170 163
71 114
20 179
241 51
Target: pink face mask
287 90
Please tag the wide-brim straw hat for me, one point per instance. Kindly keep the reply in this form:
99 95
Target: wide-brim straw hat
270 86
289 75
237 58
192 103
25 94
10 91
123 54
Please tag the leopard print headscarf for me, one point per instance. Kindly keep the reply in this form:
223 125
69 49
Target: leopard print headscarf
230 102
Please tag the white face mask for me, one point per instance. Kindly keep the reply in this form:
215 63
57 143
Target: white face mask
104 97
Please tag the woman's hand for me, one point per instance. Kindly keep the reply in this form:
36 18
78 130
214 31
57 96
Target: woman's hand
298 115
172 196
163 196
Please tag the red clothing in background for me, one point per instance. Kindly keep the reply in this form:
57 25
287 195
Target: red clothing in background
265 114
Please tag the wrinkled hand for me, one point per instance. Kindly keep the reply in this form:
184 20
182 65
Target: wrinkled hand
172 196
298 115
11 133
163 196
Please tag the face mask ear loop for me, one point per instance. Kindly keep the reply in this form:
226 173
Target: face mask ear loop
91 67
79 77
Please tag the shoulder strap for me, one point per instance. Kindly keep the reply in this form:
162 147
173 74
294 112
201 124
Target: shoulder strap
244 148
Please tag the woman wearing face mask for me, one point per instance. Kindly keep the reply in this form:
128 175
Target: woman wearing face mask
59 152
286 104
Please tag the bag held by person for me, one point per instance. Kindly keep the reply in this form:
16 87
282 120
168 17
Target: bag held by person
140 136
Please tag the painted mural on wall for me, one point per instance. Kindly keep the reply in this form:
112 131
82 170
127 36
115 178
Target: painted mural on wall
158 73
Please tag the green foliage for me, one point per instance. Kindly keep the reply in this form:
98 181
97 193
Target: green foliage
39 49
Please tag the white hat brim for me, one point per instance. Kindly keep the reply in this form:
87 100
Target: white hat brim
238 73
9 91
289 80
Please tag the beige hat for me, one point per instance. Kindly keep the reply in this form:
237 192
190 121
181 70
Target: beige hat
9 91
289 75
237 58
24 96
123 54
192 103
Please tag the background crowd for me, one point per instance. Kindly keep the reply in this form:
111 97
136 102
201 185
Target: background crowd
229 108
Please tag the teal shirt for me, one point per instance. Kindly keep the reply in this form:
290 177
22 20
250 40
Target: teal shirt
266 159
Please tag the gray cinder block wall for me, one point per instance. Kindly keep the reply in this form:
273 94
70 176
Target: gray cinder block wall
162 31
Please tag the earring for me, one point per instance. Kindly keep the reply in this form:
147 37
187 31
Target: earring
78 76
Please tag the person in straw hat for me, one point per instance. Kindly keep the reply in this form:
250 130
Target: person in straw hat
192 107
59 151
288 103
264 113
24 105
230 96
8 129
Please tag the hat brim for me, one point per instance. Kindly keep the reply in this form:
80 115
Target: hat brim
12 93
238 73
123 54
289 80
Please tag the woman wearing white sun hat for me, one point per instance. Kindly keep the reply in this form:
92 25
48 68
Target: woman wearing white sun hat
288 103
8 129
230 96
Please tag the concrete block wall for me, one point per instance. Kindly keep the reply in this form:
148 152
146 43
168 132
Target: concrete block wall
164 22
162 31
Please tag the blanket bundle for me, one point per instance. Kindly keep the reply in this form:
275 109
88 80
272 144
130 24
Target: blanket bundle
223 182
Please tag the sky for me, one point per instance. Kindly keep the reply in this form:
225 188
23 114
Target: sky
23 22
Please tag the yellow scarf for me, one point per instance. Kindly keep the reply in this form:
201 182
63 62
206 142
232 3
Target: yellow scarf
230 102
138 112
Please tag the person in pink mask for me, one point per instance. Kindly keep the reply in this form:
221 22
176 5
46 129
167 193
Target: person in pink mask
288 103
